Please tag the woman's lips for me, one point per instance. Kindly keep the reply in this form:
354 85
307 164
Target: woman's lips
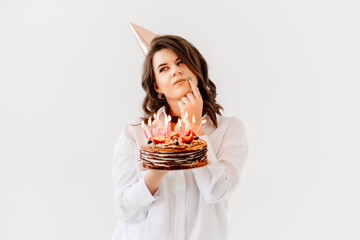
179 81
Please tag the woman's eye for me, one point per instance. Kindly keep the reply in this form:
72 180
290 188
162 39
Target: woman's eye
162 69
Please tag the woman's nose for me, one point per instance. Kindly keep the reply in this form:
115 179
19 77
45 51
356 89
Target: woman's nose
177 71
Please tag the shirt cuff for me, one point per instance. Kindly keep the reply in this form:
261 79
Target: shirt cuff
141 194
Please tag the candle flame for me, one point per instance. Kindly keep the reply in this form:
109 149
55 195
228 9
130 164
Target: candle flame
193 120
178 126
149 122
169 118
142 123
186 115
154 115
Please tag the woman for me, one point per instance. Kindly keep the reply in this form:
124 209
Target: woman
183 204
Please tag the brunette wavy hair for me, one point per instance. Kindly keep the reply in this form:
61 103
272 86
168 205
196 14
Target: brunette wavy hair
193 59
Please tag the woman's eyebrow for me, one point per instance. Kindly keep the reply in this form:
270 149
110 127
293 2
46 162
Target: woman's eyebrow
165 63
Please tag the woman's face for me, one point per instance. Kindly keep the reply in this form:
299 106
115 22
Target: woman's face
171 75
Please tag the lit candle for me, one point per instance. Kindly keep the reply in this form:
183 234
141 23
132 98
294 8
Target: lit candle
192 128
180 123
142 124
186 121
177 126
169 125
152 125
183 126
202 123
157 125
149 125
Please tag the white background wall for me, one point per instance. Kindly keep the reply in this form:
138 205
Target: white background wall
70 80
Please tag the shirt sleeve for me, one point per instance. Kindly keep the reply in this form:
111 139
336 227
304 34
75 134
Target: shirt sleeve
218 179
131 195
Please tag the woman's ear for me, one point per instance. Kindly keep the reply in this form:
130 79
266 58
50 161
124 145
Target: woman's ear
157 89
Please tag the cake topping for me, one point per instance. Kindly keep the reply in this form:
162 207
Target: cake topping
187 139
174 134
159 139
183 133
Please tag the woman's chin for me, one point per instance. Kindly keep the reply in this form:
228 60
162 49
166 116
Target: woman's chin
179 93
182 92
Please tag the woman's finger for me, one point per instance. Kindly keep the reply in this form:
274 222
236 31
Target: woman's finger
181 104
194 88
191 97
185 100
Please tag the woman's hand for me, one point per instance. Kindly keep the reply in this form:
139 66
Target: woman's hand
153 179
192 103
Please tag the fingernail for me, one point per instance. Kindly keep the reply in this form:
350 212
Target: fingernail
190 78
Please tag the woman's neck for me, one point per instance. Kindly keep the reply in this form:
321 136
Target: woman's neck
174 109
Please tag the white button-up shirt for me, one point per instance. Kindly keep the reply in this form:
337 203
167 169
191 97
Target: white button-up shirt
189 204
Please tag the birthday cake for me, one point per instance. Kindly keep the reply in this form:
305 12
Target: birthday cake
173 150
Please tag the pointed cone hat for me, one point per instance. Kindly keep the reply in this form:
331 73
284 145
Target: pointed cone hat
143 36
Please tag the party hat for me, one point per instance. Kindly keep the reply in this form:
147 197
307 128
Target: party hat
143 36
